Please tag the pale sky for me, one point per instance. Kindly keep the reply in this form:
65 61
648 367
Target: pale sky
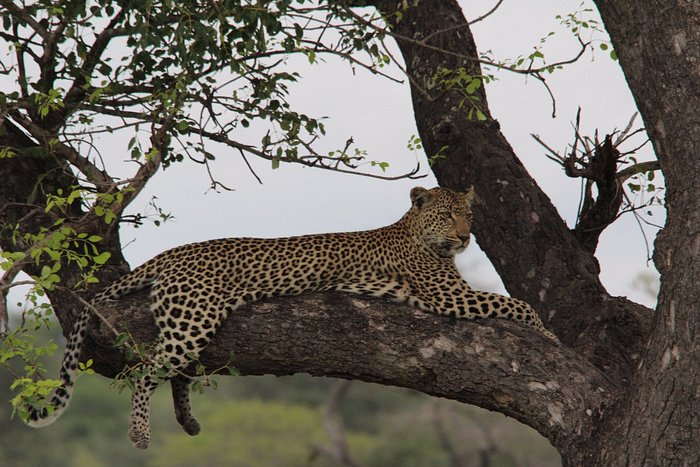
377 113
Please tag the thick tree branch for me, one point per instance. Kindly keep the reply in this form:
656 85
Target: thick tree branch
491 363
659 52
48 139
598 401
34 176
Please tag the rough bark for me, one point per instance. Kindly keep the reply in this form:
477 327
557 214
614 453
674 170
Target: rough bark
656 413
492 363
27 180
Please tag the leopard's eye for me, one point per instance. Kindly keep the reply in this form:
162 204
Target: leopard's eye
446 214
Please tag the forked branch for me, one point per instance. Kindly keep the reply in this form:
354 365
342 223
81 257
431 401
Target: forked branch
598 163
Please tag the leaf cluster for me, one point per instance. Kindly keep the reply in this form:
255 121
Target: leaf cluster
176 75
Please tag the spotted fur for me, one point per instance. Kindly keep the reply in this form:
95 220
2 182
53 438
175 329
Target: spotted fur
194 287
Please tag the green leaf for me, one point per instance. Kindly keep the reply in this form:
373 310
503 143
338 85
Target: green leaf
473 85
102 258
121 339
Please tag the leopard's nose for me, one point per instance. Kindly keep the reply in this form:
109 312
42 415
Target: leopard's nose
464 237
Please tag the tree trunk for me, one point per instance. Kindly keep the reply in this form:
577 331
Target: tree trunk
538 258
658 421
28 179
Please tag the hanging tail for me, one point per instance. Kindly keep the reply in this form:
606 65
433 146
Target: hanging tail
139 278
69 368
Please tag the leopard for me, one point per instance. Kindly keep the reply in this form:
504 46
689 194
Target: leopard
194 287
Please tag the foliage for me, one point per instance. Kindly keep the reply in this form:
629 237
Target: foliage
173 77
283 436
467 85
170 79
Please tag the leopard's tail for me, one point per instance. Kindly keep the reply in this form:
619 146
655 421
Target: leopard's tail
138 279
61 396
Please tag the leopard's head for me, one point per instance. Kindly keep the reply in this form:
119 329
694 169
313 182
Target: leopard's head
442 219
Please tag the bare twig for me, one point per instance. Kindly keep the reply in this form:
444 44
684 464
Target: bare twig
487 14
597 163
220 138
466 25
553 155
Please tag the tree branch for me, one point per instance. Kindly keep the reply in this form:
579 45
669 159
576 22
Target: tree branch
490 363
314 160
640 167
48 140
25 16
475 60
76 94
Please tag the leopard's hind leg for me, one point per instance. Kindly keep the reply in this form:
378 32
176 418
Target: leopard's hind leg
183 335
180 386
139 422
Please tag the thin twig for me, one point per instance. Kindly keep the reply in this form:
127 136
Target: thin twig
264 155
421 43
555 155
462 26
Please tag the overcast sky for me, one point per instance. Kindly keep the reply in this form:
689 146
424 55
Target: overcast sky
377 113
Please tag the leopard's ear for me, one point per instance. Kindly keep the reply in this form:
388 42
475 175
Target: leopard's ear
421 196
469 195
